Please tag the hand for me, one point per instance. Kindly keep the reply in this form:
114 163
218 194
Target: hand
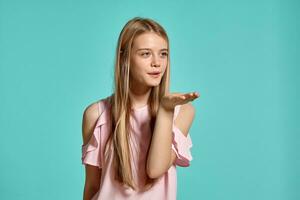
169 101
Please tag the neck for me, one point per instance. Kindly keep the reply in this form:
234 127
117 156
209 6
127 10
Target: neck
139 96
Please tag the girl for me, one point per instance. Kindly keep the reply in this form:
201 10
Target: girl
133 139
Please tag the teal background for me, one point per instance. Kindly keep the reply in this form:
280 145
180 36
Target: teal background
56 57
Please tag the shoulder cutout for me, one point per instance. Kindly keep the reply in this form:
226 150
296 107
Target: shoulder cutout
89 120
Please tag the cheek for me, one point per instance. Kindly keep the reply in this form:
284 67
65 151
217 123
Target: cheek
139 66
137 70
164 66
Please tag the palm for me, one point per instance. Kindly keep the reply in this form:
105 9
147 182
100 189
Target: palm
169 101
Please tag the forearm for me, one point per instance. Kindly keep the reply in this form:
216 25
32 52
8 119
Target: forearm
89 192
159 156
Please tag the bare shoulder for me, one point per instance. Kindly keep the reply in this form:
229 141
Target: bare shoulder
187 108
185 117
89 119
91 111
186 111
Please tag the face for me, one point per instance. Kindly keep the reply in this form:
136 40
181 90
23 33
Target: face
149 59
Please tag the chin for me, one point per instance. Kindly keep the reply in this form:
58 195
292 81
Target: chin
154 83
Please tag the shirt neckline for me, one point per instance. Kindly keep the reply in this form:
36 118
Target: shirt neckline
140 108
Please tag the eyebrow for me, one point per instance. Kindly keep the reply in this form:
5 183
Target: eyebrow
150 49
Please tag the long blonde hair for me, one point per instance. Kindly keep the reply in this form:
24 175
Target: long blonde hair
121 103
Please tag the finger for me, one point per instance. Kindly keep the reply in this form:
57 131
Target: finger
183 102
186 101
195 94
191 94
186 98
180 100
191 98
176 99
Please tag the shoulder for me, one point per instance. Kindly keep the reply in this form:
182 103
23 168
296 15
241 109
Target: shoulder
185 117
90 117
89 120
187 109
92 112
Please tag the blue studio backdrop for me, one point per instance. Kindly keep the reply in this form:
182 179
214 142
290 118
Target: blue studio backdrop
56 57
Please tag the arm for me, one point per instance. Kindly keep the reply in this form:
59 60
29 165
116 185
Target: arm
183 121
92 173
92 181
161 156
160 150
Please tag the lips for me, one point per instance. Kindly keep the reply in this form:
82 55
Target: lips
154 73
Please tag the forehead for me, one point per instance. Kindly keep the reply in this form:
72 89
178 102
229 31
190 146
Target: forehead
149 40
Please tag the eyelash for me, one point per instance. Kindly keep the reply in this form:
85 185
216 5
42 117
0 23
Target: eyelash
164 54
147 53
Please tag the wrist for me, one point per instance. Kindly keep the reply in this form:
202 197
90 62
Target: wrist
169 110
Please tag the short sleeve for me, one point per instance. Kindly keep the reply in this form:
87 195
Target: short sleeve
181 144
92 150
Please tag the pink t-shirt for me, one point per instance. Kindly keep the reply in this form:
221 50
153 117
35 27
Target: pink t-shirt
93 154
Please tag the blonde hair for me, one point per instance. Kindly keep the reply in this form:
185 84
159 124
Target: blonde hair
121 103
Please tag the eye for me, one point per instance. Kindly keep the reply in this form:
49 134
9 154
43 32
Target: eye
164 54
145 54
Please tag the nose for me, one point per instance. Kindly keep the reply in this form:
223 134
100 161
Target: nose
155 62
